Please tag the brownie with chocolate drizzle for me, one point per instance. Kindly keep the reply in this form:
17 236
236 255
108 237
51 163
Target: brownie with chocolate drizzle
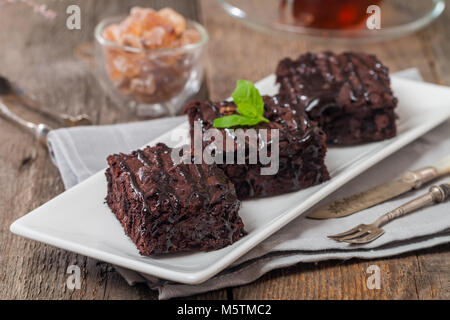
166 208
348 94
302 148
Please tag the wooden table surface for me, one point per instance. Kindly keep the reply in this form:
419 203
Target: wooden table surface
39 55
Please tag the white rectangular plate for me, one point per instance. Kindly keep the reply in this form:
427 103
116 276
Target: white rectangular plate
79 221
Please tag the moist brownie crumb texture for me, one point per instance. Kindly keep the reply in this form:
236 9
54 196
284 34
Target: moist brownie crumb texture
348 94
302 148
172 208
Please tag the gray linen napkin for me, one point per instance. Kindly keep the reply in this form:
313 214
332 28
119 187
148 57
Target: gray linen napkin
81 152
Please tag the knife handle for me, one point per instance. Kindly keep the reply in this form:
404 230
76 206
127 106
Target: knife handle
421 176
443 166
437 194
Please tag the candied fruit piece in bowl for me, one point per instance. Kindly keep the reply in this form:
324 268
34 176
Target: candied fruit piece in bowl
130 26
156 38
112 33
175 19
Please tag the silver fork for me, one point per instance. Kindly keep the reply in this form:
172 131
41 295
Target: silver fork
40 131
365 233
11 91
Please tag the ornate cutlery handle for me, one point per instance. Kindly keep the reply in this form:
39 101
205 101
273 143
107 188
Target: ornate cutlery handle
418 177
40 131
436 194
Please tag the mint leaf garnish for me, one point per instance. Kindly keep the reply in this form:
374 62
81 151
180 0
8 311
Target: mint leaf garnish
248 100
250 106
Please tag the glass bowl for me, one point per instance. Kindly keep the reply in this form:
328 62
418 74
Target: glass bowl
150 83
398 18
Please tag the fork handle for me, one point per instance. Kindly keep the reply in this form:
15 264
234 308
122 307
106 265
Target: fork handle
40 131
436 194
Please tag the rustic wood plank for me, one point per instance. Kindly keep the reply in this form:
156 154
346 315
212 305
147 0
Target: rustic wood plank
44 66
433 279
436 47
39 56
244 53
402 277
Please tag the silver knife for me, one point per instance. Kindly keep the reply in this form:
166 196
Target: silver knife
379 194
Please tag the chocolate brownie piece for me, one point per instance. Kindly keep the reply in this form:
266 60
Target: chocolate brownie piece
171 208
302 148
348 94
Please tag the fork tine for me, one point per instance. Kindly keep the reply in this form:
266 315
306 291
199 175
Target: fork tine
347 233
360 234
366 239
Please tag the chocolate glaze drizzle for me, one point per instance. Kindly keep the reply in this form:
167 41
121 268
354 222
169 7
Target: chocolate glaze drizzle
170 190
347 94
133 183
296 134
317 89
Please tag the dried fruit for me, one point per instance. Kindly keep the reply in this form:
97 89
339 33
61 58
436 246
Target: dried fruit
175 19
146 76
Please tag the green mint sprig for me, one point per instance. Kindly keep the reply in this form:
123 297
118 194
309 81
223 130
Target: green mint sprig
250 107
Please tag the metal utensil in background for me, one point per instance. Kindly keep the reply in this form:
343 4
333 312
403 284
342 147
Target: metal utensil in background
379 194
40 131
10 91
365 233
